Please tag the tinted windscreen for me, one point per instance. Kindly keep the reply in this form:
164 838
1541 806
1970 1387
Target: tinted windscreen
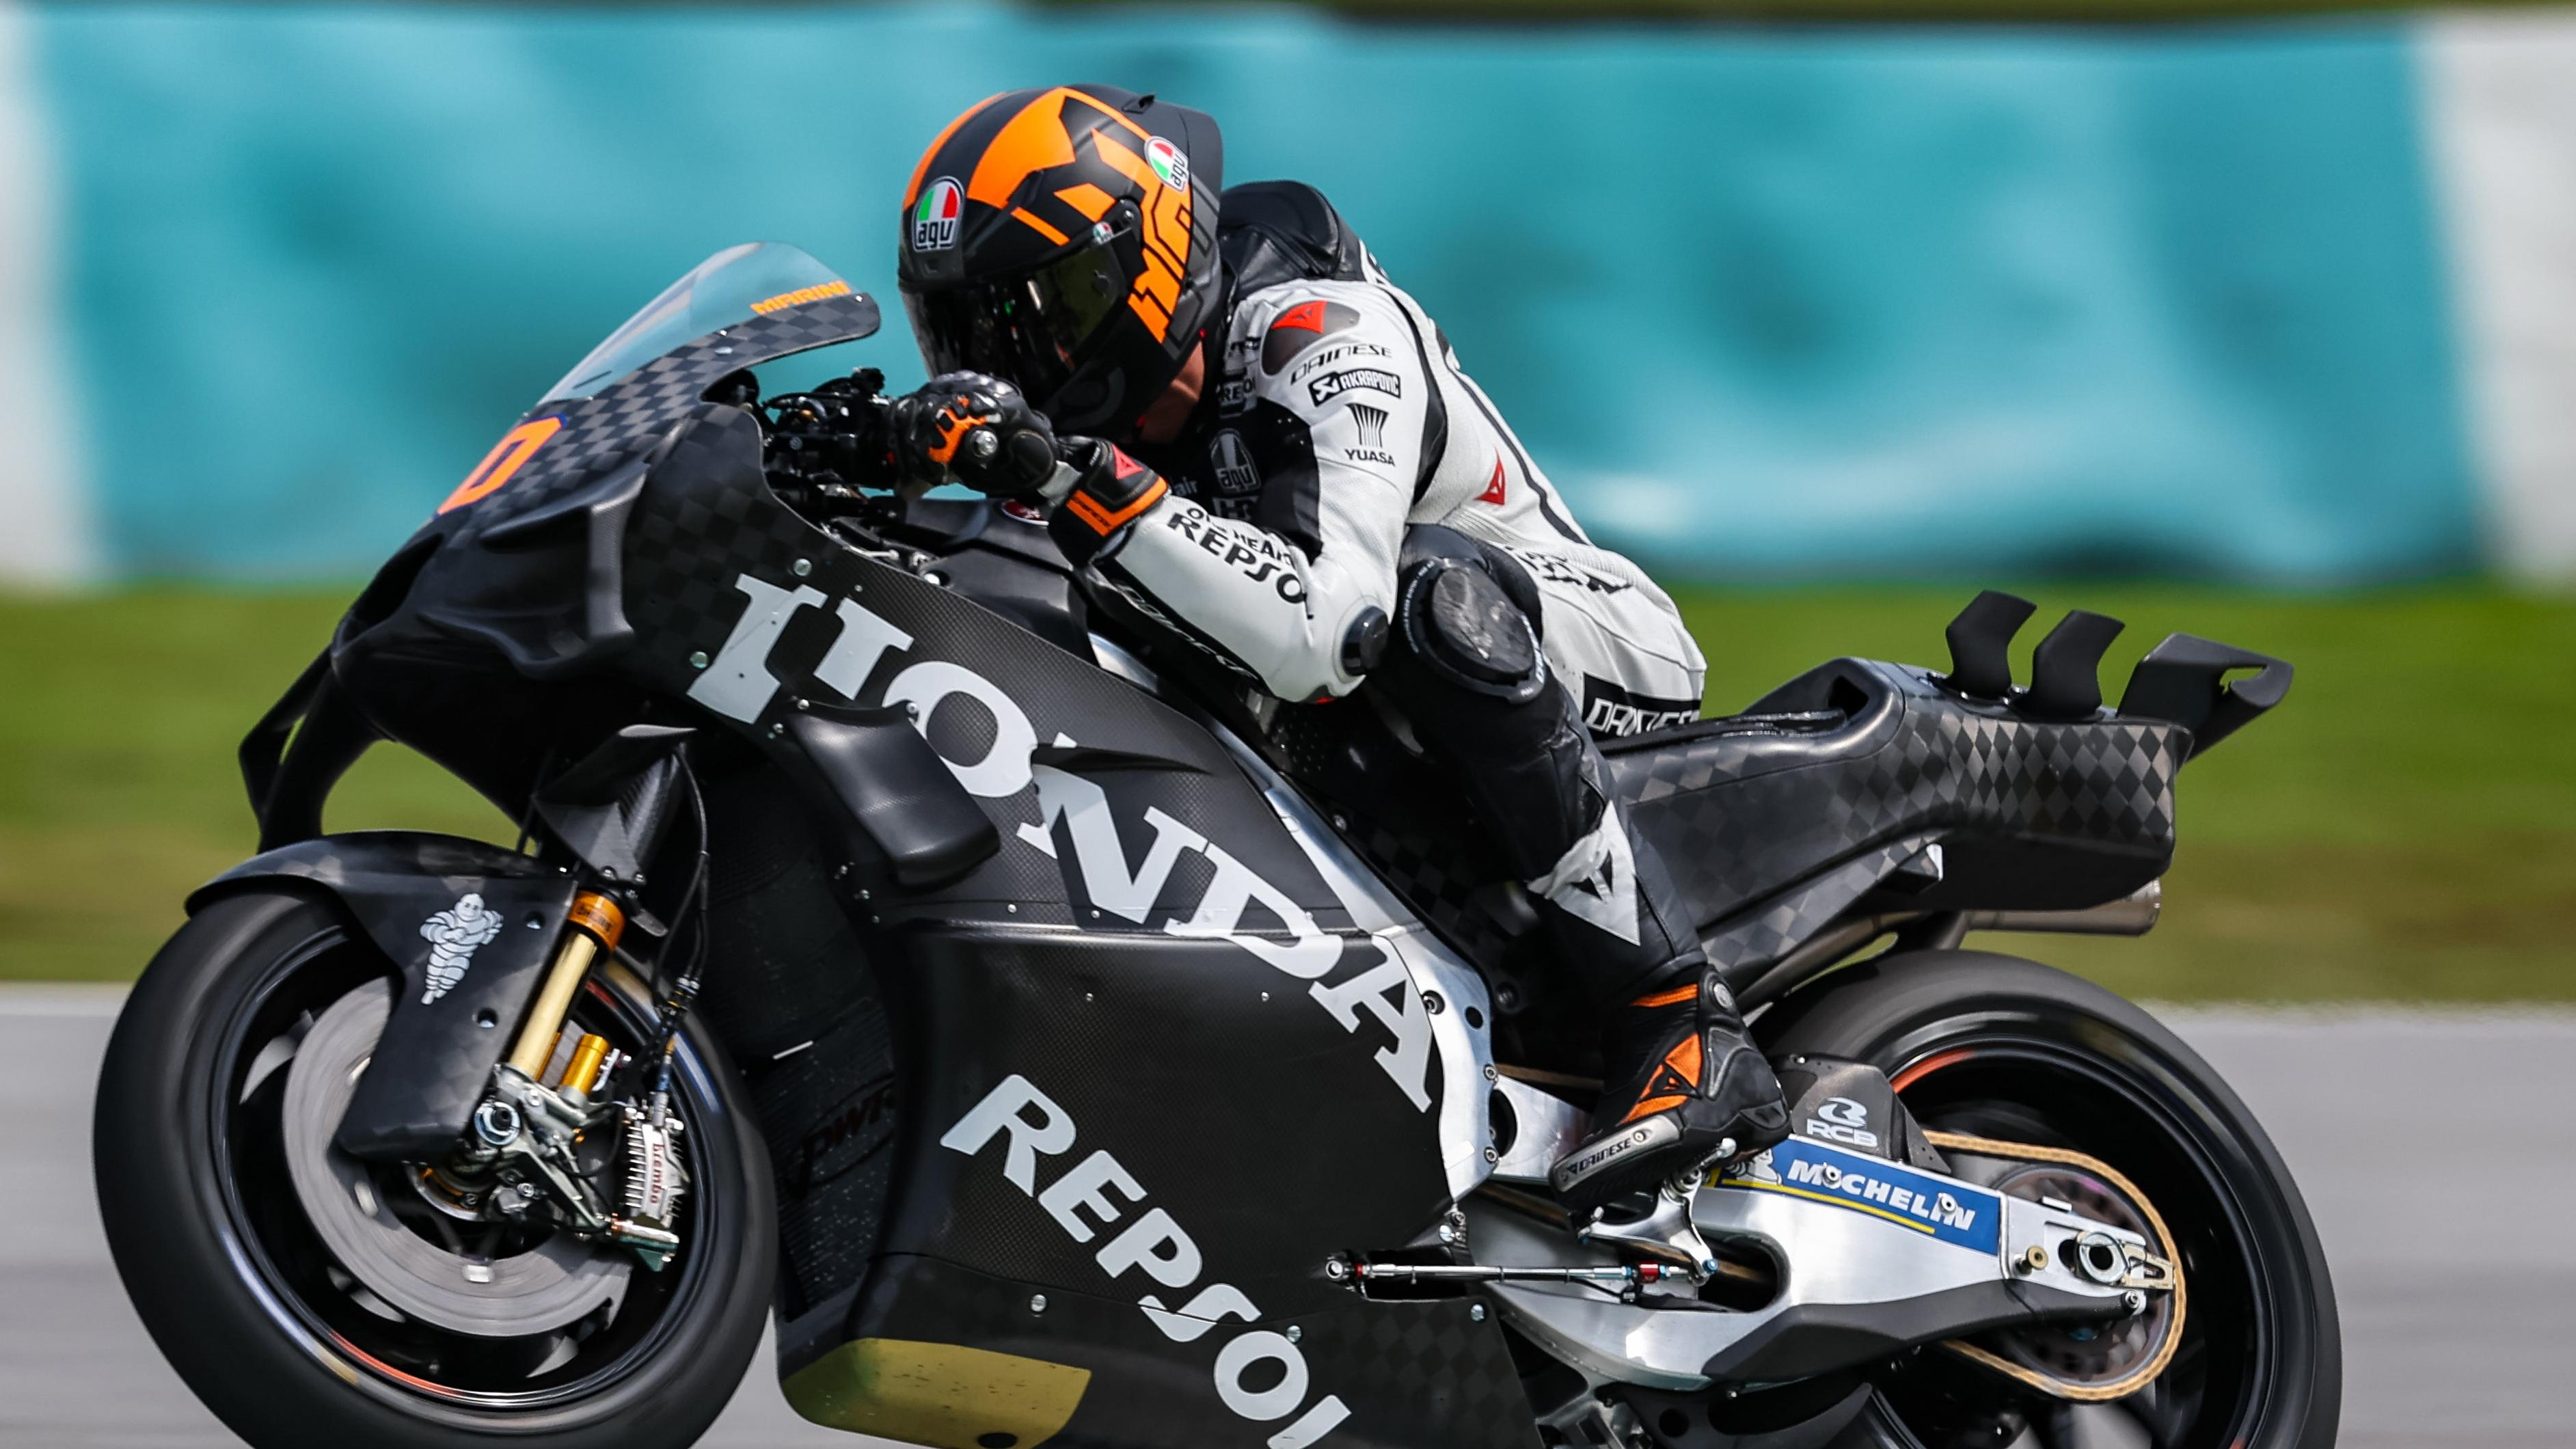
727 289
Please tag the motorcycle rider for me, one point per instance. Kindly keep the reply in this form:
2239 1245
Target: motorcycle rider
1245 433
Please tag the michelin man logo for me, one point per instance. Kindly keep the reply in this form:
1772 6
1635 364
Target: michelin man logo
454 935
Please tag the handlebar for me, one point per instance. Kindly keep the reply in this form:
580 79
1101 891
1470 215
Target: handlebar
834 439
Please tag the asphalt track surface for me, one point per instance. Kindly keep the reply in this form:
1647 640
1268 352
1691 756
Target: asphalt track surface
2437 1150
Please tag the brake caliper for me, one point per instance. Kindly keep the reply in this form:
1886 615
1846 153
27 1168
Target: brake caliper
655 1181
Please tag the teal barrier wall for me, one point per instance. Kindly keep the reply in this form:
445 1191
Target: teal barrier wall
1766 302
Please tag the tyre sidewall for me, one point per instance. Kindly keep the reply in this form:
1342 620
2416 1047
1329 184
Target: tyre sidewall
175 1243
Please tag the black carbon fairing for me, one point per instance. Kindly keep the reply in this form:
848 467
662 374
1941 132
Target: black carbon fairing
1409 822
1204 1099
1149 950
564 510
803 1014
482 642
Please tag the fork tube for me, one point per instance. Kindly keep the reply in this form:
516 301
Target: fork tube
595 923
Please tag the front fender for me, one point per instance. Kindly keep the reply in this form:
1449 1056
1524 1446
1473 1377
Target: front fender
439 1047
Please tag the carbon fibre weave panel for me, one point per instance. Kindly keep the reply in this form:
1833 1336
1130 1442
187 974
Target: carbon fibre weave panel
641 407
2030 814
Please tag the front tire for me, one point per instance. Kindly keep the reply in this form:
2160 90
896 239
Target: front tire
239 1297
1997 1046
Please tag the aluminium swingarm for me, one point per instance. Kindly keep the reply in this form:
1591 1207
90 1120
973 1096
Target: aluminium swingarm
1875 1256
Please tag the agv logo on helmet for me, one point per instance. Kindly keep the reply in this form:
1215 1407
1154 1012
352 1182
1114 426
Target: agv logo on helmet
934 220
1168 163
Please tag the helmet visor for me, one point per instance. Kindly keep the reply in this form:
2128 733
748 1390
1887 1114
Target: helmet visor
1027 330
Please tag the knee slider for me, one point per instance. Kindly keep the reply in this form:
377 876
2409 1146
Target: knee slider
1466 629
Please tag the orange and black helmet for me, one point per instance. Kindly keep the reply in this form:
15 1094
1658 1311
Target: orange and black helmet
1064 238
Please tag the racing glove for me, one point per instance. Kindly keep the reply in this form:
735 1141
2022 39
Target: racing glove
976 430
1097 492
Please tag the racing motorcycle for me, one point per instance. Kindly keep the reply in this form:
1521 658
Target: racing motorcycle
1068 1047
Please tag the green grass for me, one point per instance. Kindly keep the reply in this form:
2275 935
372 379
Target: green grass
119 789
2403 827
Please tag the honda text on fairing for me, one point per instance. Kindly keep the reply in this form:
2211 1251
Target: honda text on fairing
1068 1048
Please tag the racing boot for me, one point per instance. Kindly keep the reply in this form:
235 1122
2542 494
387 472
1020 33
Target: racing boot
1685 1087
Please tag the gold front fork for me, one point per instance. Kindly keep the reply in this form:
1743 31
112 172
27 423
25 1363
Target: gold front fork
587 1055
595 923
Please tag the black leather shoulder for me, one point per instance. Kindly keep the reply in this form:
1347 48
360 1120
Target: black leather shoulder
1271 232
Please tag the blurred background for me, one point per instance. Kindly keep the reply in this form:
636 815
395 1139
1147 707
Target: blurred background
2261 326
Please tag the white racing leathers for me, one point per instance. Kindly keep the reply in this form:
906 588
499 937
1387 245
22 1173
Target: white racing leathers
1343 418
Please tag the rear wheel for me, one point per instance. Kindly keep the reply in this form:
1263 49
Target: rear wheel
310 1299
1998 1047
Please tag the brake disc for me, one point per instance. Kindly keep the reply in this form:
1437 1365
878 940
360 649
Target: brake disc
2084 1363
557 1282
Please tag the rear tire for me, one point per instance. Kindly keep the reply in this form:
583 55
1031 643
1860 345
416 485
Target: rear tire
206 1281
1998 1046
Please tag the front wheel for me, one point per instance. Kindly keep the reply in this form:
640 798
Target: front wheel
1998 1047
309 1299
